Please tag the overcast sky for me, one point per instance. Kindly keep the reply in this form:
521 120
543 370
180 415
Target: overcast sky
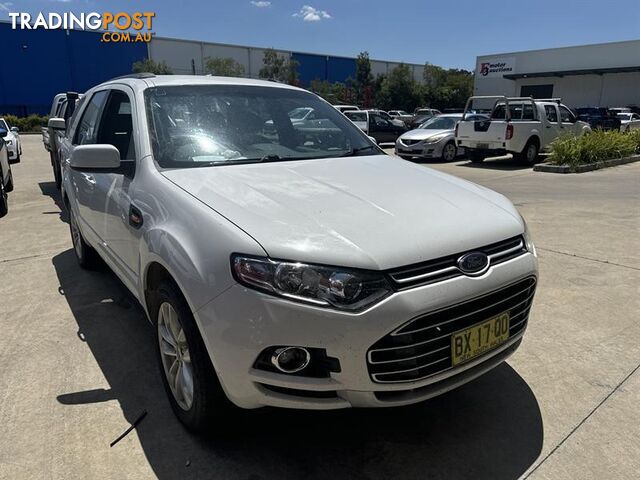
450 33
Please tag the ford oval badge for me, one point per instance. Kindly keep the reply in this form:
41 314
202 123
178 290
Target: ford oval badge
474 263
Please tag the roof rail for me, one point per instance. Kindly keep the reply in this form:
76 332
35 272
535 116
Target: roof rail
136 75
557 100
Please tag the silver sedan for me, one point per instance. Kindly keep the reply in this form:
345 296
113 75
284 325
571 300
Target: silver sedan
432 139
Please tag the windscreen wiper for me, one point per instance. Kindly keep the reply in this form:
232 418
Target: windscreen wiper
358 150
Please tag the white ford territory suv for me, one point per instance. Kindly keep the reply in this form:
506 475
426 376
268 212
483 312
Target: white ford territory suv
289 265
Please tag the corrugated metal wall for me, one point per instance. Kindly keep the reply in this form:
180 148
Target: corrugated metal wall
37 64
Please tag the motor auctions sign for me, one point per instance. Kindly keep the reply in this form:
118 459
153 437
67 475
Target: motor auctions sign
497 67
116 27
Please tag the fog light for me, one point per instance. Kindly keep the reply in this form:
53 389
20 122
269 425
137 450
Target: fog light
290 359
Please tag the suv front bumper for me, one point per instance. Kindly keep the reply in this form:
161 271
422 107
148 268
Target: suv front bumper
239 324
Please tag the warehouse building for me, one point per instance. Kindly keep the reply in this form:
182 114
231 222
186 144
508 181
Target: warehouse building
37 64
606 74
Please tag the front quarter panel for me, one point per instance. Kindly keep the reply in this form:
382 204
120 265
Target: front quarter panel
192 241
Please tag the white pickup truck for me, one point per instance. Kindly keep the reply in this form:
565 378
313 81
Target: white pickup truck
522 126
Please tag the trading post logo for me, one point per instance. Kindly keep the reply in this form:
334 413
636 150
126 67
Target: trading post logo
116 27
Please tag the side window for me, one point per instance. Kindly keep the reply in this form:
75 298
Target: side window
527 112
566 116
116 126
87 131
379 121
552 114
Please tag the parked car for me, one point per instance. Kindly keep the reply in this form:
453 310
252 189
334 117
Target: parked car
599 118
421 115
433 139
346 108
56 127
517 125
374 124
629 121
406 118
6 176
286 272
617 110
55 105
396 121
12 140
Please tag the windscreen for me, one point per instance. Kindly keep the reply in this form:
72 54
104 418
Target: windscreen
208 125
440 123
356 116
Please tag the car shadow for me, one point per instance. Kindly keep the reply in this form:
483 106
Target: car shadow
490 428
49 189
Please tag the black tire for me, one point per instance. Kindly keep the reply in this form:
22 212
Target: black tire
9 187
17 159
57 175
210 405
475 157
4 199
448 148
529 154
85 254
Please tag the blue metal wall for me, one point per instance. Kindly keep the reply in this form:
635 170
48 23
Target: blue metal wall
322 67
37 64
339 69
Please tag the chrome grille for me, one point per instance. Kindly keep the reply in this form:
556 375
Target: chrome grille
422 346
446 267
408 142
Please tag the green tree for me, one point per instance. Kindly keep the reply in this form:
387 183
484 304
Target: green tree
363 83
150 66
399 90
335 93
225 67
446 88
279 68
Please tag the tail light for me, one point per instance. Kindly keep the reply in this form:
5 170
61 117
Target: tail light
509 134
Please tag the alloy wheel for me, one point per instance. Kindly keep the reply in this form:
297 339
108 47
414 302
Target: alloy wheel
449 152
176 359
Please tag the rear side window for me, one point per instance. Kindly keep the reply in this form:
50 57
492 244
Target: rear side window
551 113
87 131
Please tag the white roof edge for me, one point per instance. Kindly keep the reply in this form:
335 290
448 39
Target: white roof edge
568 47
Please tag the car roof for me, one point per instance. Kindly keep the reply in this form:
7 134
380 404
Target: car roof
178 80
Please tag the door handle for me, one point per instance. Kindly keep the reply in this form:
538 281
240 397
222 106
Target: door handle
135 217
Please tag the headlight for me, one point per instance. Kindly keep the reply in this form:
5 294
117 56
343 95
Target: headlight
336 287
9 142
527 238
435 138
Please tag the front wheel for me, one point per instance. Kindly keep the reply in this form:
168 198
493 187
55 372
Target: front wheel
190 381
449 152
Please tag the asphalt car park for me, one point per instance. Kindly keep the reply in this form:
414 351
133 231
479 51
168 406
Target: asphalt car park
77 360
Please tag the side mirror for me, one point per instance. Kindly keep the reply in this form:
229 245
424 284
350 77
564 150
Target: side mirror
89 157
3 132
57 124
15 129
